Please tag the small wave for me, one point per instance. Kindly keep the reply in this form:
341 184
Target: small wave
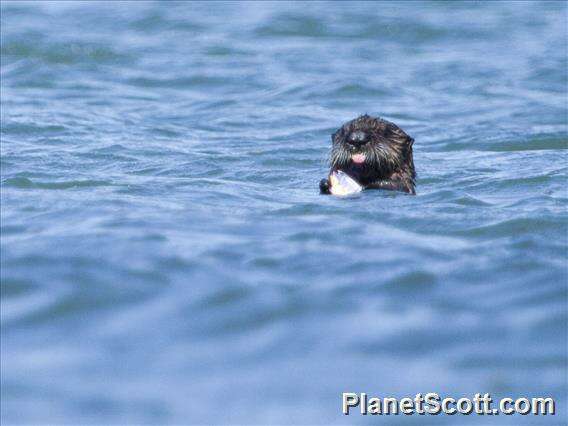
198 81
12 229
534 144
157 21
518 226
31 128
293 25
62 53
25 183
470 200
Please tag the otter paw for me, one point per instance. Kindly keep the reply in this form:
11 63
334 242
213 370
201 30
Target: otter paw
324 186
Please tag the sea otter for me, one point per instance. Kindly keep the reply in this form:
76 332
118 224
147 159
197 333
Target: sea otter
374 152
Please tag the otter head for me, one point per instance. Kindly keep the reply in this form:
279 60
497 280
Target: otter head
371 148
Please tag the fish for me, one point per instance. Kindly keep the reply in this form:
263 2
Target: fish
342 184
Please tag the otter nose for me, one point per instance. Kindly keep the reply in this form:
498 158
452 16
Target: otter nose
357 138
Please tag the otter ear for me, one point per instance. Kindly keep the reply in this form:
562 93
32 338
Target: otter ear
399 134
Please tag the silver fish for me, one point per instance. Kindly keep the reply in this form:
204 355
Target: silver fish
343 184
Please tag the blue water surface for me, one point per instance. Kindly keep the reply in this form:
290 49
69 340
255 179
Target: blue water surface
166 256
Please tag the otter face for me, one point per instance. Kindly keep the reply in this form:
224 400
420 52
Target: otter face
371 148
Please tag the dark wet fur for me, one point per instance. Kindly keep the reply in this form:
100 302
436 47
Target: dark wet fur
388 151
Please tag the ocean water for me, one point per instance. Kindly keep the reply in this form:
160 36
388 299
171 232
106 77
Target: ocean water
165 254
